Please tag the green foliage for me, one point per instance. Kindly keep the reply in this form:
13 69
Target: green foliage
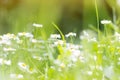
27 56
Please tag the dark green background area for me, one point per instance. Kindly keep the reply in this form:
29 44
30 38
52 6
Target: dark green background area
69 15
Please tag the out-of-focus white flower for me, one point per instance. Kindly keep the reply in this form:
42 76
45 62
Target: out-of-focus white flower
70 34
7 62
26 68
95 57
73 58
1 61
108 71
62 65
59 42
23 66
57 62
89 73
34 41
5 42
8 49
105 22
92 40
26 34
117 36
118 63
8 36
76 53
55 36
19 76
37 58
19 41
118 2
119 58
16 76
84 35
99 67
37 25
72 46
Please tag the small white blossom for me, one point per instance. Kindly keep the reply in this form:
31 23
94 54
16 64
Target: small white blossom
34 41
108 71
59 42
1 61
55 36
70 34
72 46
37 25
62 65
105 22
19 41
26 34
117 36
57 62
119 58
92 40
76 53
73 58
23 66
7 62
5 42
95 57
16 76
8 49
99 68
8 36
89 73
19 76
37 58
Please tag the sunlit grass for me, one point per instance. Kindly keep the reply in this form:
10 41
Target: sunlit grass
28 56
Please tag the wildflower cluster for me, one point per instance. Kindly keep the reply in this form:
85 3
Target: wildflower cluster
24 56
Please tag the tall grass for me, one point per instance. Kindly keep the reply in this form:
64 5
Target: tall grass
26 57
32 56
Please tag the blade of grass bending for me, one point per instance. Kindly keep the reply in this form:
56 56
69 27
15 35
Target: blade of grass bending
63 37
97 16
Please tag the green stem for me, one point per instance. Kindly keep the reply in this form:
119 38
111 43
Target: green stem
97 16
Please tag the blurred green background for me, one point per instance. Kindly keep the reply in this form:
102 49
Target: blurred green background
70 15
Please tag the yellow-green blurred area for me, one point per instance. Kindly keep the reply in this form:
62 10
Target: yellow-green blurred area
69 15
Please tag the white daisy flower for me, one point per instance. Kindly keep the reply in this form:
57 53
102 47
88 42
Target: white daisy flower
70 34
37 25
23 66
105 22
26 34
55 36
